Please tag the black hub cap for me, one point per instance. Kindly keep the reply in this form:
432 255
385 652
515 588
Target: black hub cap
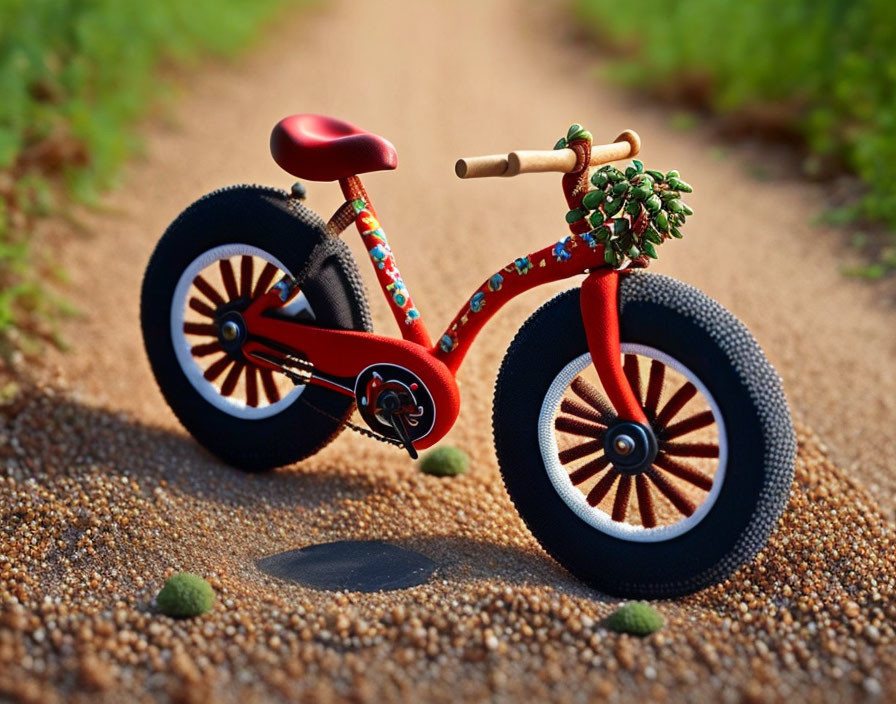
231 331
631 447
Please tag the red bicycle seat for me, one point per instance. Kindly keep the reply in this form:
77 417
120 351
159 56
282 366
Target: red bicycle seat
321 148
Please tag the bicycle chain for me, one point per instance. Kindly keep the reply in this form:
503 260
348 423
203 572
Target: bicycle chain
367 432
308 368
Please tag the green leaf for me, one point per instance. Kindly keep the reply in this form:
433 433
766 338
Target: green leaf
602 233
613 206
574 216
593 199
620 188
600 179
620 226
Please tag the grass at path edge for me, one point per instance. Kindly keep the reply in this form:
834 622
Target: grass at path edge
74 79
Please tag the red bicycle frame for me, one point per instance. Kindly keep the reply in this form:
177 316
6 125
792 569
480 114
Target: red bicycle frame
343 355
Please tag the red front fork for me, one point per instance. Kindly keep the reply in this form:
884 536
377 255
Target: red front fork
599 303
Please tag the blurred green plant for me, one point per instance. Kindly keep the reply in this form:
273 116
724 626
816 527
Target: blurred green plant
185 594
444 461
637 618
822 69
74 76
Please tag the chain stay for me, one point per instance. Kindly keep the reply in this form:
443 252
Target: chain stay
307 371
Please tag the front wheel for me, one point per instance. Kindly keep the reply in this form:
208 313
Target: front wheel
726 443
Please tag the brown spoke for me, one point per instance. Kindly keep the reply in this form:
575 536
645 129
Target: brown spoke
252 386
208 290
233 376
620 503
684 505
229 279
588 393
574 408
206 349
675 404
689 425
267 275
655 385
645 502
600 490
633 374
692 475
586 471
580 451
246 276
270 387
201 308
216 369
573 426
205 329
691 449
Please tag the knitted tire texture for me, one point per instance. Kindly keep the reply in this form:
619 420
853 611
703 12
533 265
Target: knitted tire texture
268 219
679 320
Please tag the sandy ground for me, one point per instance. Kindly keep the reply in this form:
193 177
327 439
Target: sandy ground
812 618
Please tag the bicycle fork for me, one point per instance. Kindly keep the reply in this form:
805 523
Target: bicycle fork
599 304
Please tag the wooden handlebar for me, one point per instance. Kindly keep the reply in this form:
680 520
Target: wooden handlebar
626 145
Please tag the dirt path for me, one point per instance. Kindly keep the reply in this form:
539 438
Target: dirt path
465 80
442 81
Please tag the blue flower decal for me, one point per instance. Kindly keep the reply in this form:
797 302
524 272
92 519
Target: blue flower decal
560 253
448 342
378 254
523 265
495 283
588 239
477 302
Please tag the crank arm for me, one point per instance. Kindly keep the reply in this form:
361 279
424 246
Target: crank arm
397 423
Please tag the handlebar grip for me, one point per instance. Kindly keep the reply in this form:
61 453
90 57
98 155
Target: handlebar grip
480 166
627 144
539 161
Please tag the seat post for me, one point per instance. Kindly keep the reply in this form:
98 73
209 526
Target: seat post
352 188
389 277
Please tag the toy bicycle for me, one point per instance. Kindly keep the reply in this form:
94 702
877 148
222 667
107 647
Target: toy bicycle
641 433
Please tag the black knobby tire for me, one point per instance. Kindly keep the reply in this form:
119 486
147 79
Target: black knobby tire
682 322
268 219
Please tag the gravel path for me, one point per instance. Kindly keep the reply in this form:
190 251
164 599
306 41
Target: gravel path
104 494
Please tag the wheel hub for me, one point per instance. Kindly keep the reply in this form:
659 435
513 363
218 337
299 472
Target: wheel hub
231 331
631 447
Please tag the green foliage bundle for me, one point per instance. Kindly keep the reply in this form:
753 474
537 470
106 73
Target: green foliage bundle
828 65
73 78
184 595
634 211
636 618
444 461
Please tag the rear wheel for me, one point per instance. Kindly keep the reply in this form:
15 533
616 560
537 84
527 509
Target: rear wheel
223 252
725 442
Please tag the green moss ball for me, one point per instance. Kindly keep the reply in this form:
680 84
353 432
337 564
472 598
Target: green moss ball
444 461
185 594
637 618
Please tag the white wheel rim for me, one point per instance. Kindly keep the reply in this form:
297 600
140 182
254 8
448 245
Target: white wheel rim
576 500
192 370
